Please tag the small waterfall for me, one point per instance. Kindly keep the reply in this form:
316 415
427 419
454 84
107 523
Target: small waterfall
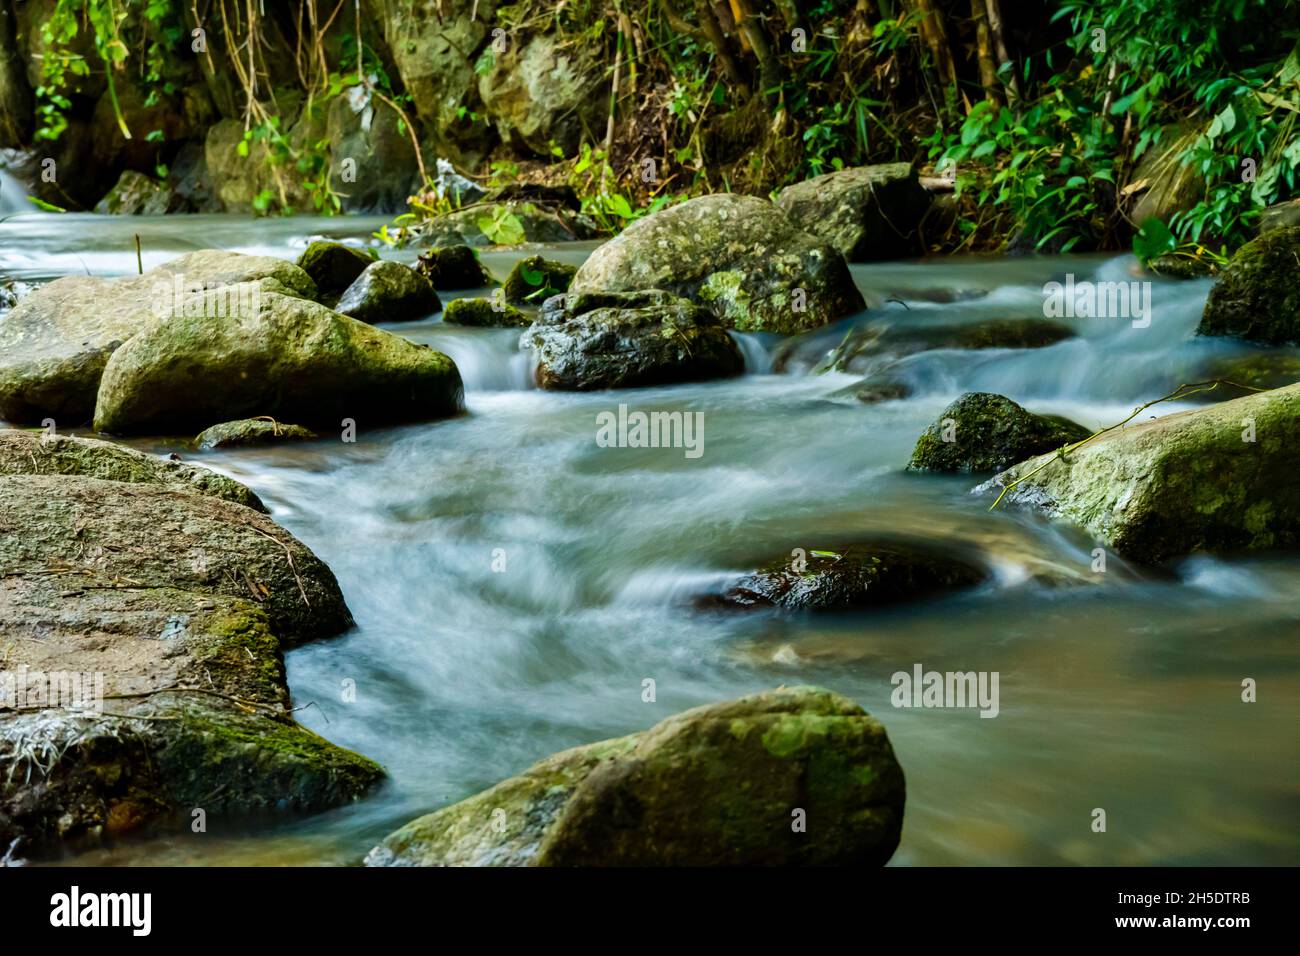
13 195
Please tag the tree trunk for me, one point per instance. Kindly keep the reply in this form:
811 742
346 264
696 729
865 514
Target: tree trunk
984 50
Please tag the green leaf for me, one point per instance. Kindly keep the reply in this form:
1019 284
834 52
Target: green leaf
1152 240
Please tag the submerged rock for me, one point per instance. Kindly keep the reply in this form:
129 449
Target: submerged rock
623 340
714 786
36 453
867 212
740 256
981 431
873 390
453 267
332 265
857 576
176 606
1213 479
283 357
1258 295
535 279
388 291
56 341
485 312
251 431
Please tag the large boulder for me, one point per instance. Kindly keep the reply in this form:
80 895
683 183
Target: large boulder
1220 478
981 431
453 267
372 160
867 212
163 613
721 785
1258 295
624 340
739 255
39 453
387 291
280 356
854 577
55 343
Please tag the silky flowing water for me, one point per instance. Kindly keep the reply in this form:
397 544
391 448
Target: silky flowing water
1118 690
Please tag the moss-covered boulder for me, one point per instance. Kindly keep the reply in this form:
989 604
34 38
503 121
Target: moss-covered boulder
284 357
798 776
981 431
38 453
332 265
587 341
487 313
135 195
388 291
534 279
1216 479
867 212
161 616
1258 295
846 578
55 342
453 267
740 256
251 431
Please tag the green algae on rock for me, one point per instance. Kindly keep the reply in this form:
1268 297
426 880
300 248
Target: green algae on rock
1215 479
485 313
56 341
740 256
1258 295
588 341
856 576
37 453
251 431
177 643
284 357
719 785
981 431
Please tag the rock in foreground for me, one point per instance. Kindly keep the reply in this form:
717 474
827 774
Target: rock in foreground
985 432
868 212
1214 479
590 341
284 357
172 646
721 785
1258 295
857 576
740 256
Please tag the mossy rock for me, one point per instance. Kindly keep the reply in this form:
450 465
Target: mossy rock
486 313
251 431
1258 296
56 341
847 578
739 256
534 279
37 453
715 786
287 358
388 291
866 212
1188 482
183 603
1174 266
586 341
453 267
135 195
981 431
332 265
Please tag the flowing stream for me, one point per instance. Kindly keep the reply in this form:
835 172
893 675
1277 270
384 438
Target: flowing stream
1118 690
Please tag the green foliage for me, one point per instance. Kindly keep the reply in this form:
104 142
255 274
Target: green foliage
502 227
